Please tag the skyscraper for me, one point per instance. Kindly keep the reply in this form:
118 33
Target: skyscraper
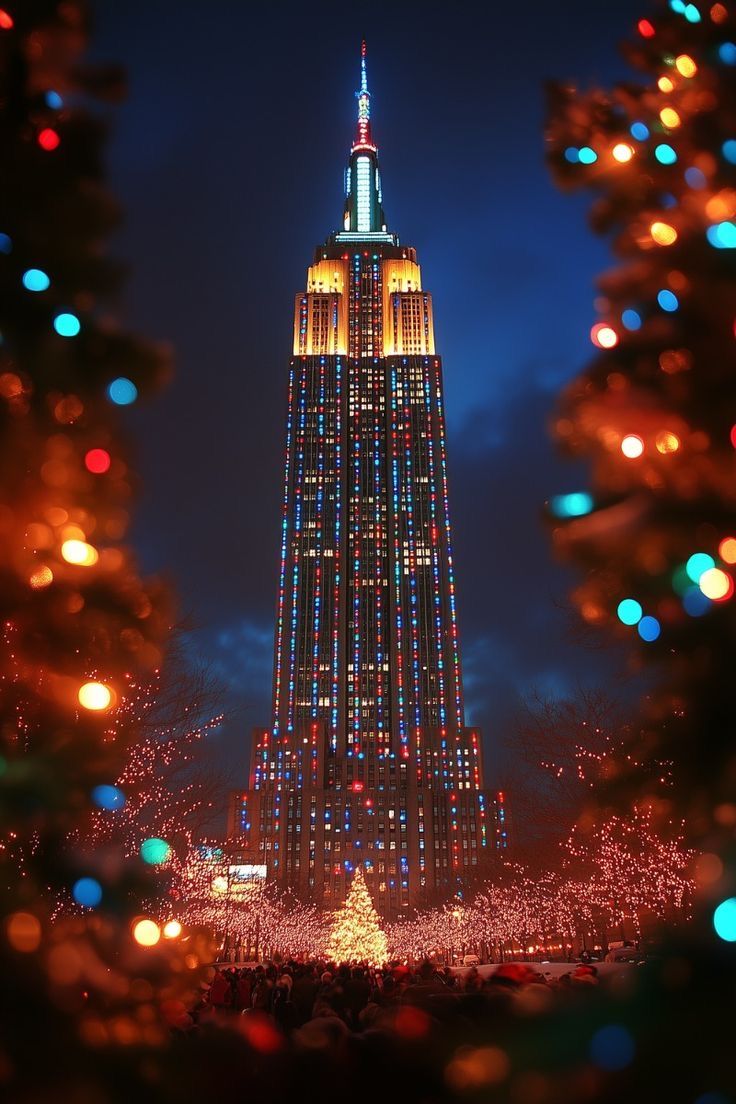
367 759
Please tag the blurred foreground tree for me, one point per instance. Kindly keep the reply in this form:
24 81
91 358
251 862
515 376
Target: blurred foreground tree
655 412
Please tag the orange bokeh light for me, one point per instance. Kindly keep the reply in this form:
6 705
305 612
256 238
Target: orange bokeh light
146 933
662 233
727 550
604 336
95 696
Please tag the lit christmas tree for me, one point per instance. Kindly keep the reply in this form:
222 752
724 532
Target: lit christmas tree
357 935
654 412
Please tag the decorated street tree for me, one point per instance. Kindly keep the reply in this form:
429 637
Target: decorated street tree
356 934
80 628
655 411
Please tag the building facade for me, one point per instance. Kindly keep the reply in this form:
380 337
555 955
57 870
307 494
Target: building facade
367 759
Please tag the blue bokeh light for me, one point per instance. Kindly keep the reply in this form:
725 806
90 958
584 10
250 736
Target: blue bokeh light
587 156
665 154
6 243
640 131
729 150
631 319
692 14
572 155
111 797
649 629
35 279
122 391
667 300
695 603
695 178
724 920
727 53
576 504
629 611
612 1048
53 100
87 892
697 564
67 325
722 235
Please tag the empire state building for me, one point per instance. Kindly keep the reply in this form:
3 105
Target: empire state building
367 760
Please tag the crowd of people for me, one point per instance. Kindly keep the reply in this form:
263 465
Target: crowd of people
359 997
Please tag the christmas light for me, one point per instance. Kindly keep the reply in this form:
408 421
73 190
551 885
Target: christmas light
622 152
698 563
6 20
604 336
716 584
35 280
67 325
108 797
172 930
87 892
41 578
662 233
97 461
649 629
724 920
727 550
122 391
665 154
629 611
146 933
23 929
587 156
576 504
722 235
631 319
80 553
632 446
645 28
48 139
670 118
612 1048
640 131
95 696
685 65
155 851
667 442
667 300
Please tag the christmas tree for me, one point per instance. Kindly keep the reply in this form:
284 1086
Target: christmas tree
356 934
654 413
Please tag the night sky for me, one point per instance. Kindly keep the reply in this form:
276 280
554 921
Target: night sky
229 158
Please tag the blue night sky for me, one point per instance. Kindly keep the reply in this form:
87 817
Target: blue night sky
228 157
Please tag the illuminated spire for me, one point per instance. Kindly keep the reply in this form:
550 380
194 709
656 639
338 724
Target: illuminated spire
363 138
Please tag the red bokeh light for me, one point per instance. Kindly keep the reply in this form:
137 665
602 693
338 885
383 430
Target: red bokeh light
97 461
645 28
6 20
733 435
357 787
48 139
